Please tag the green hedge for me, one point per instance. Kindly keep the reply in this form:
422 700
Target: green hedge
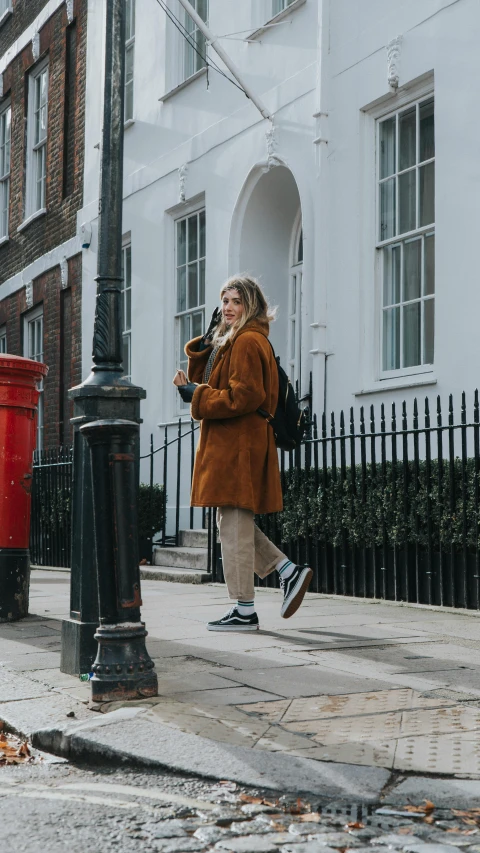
150 521
331 509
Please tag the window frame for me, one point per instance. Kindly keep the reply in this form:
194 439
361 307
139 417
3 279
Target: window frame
6 11
126 306
3 340
284 6
5 173
188 52
130 24
180 358
399 238
32 209
31 317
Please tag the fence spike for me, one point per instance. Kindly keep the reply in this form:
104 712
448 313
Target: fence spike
352 422
382 418
332 424
475 407
394 418
427 414
450 409
404 415
362 420
463 408
372 418
342 423
415 413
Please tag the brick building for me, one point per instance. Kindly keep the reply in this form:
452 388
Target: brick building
42 108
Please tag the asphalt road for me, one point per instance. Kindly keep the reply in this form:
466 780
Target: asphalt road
66 808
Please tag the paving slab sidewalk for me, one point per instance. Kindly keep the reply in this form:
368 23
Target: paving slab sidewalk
349 698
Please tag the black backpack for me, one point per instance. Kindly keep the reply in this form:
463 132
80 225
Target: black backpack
288 422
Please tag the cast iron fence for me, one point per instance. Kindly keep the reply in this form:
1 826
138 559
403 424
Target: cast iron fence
380 507
388 513
170 476
50 531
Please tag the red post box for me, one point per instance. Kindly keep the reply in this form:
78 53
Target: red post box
19 389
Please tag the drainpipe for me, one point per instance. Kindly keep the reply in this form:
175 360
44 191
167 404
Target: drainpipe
214 42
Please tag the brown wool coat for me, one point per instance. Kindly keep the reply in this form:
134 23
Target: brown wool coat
236 462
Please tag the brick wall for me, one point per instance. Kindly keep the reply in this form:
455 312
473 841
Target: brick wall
61 341
24 13
65 47
59 224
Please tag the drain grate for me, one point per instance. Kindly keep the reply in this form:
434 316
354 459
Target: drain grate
363 813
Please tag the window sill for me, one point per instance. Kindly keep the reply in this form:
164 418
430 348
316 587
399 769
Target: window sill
275 20
6 14
413 380
128 123
4 240
184 84
31 218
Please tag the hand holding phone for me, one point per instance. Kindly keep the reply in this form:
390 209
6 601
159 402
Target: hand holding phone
216 317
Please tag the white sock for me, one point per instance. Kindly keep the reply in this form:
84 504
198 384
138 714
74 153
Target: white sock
246 608
285 568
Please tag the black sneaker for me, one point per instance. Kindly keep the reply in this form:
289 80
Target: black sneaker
234 621
294 589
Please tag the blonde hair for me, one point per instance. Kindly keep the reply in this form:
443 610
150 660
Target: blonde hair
254 303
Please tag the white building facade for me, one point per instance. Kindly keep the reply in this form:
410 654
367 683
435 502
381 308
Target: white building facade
356 206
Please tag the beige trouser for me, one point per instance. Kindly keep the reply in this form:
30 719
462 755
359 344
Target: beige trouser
245 550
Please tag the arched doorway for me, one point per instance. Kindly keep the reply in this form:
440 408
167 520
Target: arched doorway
267 242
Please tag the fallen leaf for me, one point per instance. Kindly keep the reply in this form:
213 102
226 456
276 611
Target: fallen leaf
300 808
427 808
355 825
246 798
310 817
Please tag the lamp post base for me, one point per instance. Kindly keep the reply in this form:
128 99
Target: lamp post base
79 647
14 583
123 669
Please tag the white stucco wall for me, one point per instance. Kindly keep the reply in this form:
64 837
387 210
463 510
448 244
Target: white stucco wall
323 75
437 40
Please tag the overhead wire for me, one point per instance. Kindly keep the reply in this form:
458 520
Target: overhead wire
209 63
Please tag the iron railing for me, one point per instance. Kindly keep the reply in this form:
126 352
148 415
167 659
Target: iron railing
170 466
50 531
380 507
389 513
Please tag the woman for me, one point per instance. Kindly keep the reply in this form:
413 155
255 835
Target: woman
231 374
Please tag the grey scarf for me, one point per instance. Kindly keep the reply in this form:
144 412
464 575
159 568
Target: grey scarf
208 369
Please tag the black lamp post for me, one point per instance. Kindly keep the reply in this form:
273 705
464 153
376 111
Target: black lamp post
106 396
122 669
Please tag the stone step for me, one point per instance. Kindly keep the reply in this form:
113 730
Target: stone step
175 575
193 538
181 558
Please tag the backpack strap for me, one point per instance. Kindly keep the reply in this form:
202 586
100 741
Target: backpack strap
265 415
268 417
